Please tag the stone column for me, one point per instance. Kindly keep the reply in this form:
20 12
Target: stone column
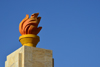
27 56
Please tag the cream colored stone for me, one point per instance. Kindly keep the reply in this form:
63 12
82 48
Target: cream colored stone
30 57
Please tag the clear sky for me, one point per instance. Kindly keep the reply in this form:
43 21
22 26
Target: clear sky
71 28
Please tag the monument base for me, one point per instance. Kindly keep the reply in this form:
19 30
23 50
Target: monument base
27 56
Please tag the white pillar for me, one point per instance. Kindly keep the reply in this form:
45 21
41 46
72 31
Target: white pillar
30 57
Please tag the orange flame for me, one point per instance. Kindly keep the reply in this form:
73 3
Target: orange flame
30 25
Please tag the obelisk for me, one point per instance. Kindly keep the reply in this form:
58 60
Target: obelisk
29 55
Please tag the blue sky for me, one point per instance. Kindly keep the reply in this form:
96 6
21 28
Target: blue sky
71 28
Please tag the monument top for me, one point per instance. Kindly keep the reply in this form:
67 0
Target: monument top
29 29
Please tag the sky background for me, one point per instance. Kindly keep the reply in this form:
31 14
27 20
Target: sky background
71 28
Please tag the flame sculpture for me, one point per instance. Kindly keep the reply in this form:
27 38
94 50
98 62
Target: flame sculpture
29 30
